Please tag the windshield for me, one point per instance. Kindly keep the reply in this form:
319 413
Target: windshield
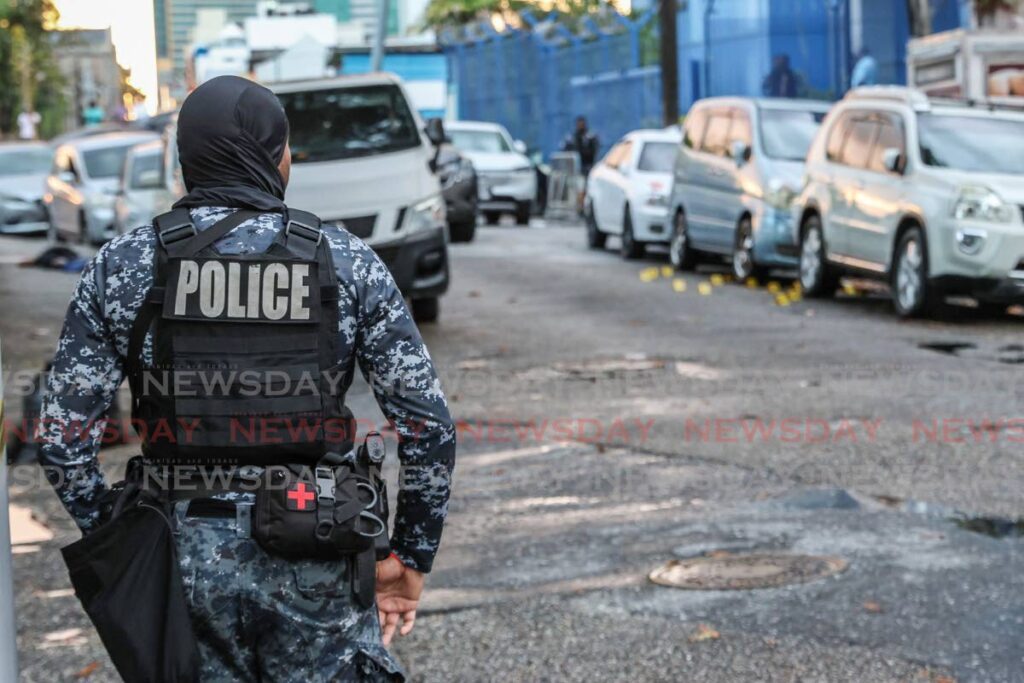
25 161
107 162
479 141
657 157
146 169
348 122
972 143
786 134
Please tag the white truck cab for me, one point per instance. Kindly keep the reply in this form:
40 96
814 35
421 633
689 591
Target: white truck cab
361 156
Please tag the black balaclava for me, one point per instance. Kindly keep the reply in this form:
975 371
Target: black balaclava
232 135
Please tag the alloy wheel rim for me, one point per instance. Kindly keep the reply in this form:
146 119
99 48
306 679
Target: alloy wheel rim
908 275
810 259
678 248
743 259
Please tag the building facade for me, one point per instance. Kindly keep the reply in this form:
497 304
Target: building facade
88 62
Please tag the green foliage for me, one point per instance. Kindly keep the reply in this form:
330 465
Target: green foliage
28 71
454 13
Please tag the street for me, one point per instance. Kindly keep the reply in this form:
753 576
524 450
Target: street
613 416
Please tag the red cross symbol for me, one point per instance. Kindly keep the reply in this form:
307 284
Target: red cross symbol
299 498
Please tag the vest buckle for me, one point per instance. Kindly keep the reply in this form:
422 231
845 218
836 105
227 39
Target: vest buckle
176 234
304 231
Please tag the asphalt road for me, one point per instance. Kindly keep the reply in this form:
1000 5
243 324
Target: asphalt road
615 416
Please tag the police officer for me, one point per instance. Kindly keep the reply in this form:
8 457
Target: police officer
258 616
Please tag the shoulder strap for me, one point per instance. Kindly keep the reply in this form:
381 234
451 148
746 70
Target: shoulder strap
201 241
301 234
174 226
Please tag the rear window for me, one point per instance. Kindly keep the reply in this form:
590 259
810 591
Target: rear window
657 157
107 162
348 122
145 169
479 141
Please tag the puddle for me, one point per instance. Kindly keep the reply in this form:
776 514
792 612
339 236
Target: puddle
994 527
947 348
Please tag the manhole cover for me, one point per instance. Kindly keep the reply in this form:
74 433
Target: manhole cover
744 572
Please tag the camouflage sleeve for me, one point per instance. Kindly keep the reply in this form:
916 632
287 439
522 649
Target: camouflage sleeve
396 364
82 384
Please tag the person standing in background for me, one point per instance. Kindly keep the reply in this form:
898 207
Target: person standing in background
28 124
865 71
93 114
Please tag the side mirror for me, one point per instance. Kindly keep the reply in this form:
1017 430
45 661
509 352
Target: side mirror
435 131
740 152
893 160
150 180
519 146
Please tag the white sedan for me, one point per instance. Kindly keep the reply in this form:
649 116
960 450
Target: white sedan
506 178
628 190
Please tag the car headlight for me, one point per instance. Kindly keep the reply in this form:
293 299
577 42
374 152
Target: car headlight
427 214
15 204
779 195
981 204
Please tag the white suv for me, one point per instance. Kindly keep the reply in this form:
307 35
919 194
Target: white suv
927 195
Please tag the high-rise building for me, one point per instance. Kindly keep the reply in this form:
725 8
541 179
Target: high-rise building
365 11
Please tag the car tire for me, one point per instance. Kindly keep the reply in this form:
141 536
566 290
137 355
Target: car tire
912 295
523 213
426 310
595 238
630 247
680 255
492 217
463 231
743 264
818 278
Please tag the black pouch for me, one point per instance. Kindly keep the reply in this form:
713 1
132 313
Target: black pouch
126 576
326 512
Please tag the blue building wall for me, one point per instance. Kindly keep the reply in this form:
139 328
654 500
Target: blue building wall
536 86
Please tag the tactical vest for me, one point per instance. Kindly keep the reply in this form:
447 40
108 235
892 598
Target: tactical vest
245 365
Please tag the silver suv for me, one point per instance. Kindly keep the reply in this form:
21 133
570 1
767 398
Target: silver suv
926 195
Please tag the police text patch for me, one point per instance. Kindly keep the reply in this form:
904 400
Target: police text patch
239 290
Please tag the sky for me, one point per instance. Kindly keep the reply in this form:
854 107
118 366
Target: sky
131 28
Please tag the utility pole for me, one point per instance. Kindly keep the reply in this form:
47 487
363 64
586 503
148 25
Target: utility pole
377 55
667 15
8 649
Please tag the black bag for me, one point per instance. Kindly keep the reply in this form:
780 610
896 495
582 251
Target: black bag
126 576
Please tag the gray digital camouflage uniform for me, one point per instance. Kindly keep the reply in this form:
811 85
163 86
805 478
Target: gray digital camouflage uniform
303 611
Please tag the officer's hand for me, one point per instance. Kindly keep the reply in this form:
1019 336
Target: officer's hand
398 594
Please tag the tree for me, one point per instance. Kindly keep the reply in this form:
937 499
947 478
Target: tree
453 13
29 77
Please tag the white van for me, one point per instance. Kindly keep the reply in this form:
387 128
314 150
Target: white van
362 156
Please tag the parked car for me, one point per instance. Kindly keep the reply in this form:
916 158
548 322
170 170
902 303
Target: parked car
362 156
144 191
739 168
23 171
627 191
83 182
506 177
927 196
459 187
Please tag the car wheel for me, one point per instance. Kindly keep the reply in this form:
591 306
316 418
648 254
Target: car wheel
911 293
631 249
492 217
817 277
595 238
462 232
523 213
743 264
426 310
680 255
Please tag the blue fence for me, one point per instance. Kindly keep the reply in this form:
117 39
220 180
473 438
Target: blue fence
534 80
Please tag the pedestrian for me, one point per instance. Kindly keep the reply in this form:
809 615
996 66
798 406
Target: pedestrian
28 123
781 81
93 114
256 615
584 143
865 70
